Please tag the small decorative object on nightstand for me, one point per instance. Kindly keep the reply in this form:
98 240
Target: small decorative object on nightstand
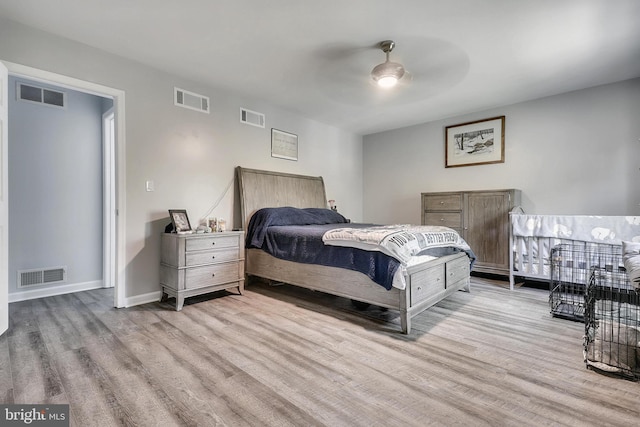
195 264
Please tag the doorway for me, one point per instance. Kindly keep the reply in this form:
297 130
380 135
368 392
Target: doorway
113 167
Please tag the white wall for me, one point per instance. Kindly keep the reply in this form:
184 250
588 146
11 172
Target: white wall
574 153
189 155
55 187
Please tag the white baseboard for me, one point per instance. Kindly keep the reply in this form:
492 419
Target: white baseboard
142 299
54 290
79 287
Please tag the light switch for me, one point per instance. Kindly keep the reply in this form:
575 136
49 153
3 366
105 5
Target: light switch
149 185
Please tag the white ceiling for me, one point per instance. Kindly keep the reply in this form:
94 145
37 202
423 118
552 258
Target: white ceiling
314 57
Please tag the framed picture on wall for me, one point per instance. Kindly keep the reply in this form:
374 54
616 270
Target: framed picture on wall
475 143
180 220
284 145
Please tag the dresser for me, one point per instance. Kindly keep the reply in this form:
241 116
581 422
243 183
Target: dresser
481 218
194 264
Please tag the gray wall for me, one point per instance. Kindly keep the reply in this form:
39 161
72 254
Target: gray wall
55 186
574 153
189 155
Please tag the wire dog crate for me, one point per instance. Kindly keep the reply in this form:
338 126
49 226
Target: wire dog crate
571 265
612 324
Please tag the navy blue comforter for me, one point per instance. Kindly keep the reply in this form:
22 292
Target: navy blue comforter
296 235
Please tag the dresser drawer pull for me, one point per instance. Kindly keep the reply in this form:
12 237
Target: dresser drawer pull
441 219
442 203
213 257
213 243
213 274
419 288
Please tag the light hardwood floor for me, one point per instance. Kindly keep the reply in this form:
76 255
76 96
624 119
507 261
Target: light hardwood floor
280 356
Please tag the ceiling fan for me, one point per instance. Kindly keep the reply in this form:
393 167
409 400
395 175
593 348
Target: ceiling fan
387 74
345 71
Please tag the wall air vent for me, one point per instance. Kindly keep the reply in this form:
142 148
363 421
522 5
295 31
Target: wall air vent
41 276
41 95
251 118
190 100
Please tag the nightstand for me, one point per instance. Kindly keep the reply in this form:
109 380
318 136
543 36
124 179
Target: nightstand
195 264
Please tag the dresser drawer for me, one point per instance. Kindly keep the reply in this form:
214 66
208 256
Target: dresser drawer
208 257
198 277
212 242
427 283
457 270
443 202
447 219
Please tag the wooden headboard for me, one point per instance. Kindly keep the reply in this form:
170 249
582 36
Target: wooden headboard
267 189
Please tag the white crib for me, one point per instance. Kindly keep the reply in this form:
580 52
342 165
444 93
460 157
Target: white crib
533 238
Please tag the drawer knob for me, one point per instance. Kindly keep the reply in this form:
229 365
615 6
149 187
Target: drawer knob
442 203
213 274
419 288
213 257
441 219
213 243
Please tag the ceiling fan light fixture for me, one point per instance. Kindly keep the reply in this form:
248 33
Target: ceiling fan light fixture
388 73
388 81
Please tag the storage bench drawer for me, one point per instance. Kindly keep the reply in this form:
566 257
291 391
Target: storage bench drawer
426 283
457 269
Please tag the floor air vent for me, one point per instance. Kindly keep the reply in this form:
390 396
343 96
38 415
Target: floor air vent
41 276
190 100
251 118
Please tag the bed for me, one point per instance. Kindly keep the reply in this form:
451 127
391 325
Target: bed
425 282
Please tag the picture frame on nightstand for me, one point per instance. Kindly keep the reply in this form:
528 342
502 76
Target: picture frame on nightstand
180 220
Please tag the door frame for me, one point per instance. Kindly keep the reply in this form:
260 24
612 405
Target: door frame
4 200
114 212
108 196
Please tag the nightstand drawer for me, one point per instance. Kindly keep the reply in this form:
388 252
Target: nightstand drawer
447 219
198 277
208 257
212 242
443 202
